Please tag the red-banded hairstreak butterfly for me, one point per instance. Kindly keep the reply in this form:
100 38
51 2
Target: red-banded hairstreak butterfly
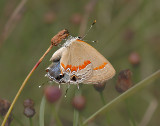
78 62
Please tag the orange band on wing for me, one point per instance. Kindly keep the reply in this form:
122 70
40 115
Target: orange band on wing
75 68
100 67
80 40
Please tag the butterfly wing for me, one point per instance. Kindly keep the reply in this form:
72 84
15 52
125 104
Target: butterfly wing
84 64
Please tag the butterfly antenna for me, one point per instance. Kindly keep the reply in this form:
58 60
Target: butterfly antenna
89 29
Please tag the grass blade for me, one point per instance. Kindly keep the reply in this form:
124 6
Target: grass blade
126 94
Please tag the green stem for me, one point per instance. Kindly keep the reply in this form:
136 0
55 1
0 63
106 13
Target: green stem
104 103
102 98
75 117
41 113
80 120
30 121
126 94
23 85
58 121
76 112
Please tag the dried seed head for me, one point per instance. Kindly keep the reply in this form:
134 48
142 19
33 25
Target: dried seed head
29 112
59 37
134 58
4 106
28 103
52 93
79 102
124 81
76 19
100 87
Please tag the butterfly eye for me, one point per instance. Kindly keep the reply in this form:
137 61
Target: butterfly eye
47 70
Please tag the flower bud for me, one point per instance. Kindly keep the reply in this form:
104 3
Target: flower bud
134 58
100 86
124 81
29 112
28 103
79 102
52 93
4 106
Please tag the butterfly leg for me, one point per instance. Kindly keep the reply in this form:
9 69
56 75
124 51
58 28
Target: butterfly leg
67 89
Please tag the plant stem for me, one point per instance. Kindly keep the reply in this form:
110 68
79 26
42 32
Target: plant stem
41 113
80 120
104 103
75 117
126 94
102 98
76 112
30 121
58 121
23 84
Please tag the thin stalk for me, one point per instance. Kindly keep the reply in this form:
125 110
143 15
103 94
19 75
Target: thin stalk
23 84
75 117
104 103
41 113
54 42
126 94
58 121
76 112
30 122
102 98
80 120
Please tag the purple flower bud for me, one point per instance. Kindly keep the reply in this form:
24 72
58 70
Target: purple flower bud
52 93
28 103
100 87
29 112
79 102
4 106
134 58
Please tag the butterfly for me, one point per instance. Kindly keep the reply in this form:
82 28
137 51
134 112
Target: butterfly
78 62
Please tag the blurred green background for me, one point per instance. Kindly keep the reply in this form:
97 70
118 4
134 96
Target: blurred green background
123 27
